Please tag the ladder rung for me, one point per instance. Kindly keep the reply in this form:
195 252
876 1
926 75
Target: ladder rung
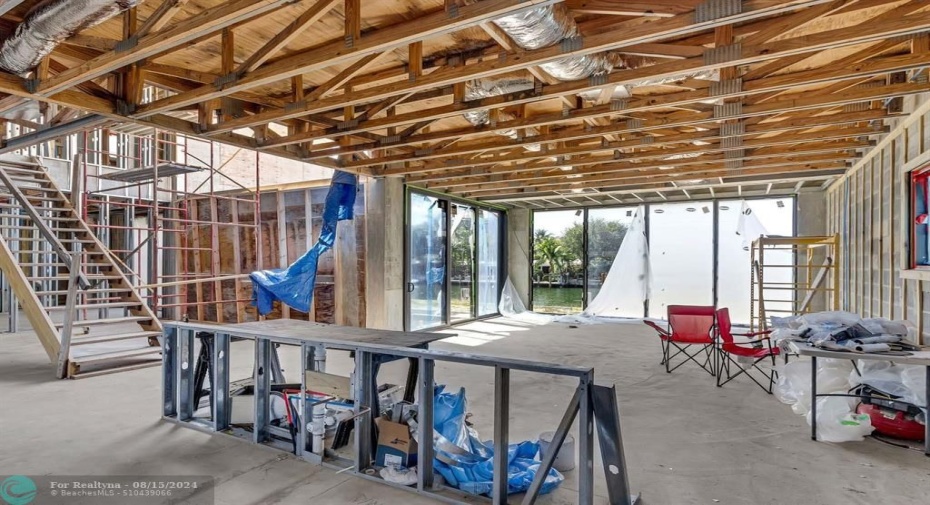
102 322
113 338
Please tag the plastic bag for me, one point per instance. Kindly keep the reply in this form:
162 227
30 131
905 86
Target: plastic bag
780 334
836 421
836 317
794 382
467 463
907 382
793 378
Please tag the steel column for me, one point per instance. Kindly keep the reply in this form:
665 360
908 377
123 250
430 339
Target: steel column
219 382
262 377
585 443
814 398
185 371
169 364
364 399
501 433
425 448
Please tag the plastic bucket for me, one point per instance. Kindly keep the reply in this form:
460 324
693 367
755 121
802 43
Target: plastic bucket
565 459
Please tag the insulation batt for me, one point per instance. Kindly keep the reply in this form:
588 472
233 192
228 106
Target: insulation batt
49 24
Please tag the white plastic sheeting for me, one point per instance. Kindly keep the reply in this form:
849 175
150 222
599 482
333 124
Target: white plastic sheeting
624 291
627 284
836 417
749 226
511 306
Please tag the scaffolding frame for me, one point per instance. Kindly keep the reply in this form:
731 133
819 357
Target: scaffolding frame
162 254
814 266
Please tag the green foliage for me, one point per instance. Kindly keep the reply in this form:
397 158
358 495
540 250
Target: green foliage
564 254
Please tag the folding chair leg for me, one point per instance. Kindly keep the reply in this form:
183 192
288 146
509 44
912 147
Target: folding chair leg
755 365
706 365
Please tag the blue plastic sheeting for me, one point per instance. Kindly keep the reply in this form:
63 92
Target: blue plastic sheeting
467 463
293 285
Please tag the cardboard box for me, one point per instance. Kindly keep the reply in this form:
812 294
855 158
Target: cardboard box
395 445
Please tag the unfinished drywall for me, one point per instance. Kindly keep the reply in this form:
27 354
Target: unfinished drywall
869 209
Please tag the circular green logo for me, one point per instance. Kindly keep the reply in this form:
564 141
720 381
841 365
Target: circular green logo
18 490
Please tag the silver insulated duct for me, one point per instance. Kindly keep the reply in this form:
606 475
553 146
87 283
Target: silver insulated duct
49 24
546 26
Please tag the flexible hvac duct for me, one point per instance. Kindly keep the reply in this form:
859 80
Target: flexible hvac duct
49 24
484 88
545 26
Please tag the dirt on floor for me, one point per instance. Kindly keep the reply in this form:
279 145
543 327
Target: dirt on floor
686 441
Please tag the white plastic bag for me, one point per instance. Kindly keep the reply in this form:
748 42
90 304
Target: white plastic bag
836 421
794 382
837 317
793 378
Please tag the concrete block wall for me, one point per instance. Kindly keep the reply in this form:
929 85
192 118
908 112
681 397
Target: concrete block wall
869 208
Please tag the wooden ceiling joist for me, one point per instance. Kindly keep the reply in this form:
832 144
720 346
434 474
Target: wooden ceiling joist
769 90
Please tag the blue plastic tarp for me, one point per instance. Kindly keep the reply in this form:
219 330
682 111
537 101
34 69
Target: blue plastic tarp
467 463
293 285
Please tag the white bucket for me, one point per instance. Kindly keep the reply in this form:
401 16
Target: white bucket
565 459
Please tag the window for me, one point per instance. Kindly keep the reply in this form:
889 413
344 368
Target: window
920 215
453 254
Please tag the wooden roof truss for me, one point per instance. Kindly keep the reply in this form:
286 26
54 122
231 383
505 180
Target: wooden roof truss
783 94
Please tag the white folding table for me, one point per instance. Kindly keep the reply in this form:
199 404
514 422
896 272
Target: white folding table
919 358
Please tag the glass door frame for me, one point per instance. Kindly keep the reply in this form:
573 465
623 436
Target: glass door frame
647 206
447 278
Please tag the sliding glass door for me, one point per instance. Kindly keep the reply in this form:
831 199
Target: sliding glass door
453 261
463 263
489 267
558 256
426 268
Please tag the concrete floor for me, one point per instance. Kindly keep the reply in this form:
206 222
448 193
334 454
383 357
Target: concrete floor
686 441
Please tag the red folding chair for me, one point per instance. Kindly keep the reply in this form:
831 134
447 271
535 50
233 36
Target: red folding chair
756 350
688 326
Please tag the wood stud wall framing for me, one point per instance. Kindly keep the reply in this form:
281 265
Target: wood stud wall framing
379 89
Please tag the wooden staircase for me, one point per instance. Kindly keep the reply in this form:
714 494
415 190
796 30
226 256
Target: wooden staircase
84 310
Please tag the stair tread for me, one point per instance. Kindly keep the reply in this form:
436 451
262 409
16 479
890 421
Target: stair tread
105 305
114 338
64 291
108 356
103 322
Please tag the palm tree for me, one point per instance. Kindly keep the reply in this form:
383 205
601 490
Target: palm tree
551 250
